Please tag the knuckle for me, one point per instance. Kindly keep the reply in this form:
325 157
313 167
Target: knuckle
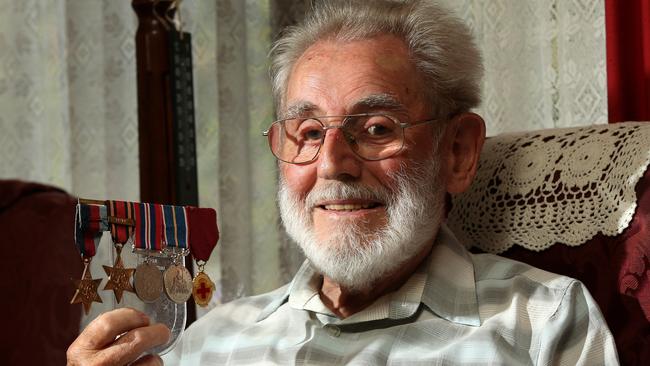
76 358
138 337
127 338
101 318
103 326
118 355
71 358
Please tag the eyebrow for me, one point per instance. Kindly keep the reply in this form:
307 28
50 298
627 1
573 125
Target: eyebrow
383 101
299 108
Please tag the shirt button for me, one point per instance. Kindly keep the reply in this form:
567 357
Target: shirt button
333 330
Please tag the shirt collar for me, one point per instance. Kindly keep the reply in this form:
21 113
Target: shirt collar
450 291
444 283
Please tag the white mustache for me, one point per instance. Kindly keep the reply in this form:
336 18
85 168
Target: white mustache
344 191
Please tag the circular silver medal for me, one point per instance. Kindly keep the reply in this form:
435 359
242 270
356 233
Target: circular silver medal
178 283
148 282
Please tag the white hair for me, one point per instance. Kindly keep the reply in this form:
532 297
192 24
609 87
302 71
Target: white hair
440 45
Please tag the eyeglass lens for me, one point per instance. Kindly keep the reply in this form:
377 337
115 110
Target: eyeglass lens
372 137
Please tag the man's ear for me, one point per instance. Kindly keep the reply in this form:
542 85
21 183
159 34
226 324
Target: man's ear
463 141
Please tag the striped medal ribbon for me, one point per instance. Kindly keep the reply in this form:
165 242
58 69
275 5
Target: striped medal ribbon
90 222
121 215
147 280
148 227
176 278
175 223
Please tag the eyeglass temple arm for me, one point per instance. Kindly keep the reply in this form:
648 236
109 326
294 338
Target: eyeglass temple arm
407 125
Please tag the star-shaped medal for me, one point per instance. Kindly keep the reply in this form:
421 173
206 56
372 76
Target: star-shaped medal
119 278
86 290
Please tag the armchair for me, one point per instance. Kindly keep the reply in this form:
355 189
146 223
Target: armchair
39 261
573 201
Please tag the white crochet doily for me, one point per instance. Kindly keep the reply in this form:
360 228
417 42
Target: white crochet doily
539 188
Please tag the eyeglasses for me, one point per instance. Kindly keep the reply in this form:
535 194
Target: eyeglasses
372 136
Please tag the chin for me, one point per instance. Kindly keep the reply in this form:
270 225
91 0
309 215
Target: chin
357 261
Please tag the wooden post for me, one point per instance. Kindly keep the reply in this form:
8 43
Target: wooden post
154 107
160 175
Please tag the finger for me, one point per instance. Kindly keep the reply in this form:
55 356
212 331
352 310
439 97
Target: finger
148 360
103 330
134 343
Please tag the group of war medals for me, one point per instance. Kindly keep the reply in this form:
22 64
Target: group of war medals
154 231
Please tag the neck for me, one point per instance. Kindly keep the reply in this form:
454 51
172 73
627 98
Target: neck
344 302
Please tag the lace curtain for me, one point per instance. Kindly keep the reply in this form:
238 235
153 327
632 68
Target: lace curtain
68 101
545 64
67 96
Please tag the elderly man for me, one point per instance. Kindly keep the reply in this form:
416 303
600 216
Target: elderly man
375 129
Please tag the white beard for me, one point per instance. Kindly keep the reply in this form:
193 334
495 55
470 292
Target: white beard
353 256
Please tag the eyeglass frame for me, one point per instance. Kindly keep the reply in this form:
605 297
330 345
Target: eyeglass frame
345 117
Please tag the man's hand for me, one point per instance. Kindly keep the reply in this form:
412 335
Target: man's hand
97 344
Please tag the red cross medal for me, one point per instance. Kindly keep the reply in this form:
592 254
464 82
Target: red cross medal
203 288
204 235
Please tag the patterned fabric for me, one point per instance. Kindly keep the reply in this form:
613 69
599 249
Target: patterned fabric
545 62
553 186
456 309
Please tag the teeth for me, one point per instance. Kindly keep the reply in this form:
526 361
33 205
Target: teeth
348 207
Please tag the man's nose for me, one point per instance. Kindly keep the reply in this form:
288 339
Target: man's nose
336 159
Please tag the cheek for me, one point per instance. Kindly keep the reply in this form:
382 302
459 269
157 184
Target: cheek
381 170
421 144
299 178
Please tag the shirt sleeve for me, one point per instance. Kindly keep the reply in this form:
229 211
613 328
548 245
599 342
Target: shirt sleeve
576 334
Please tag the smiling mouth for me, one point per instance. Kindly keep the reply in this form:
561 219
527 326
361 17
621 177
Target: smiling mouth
350 206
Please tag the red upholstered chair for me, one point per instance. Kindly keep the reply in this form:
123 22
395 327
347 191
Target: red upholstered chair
38 260
576 202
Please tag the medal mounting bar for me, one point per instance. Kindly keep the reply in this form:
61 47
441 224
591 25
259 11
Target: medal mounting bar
161 236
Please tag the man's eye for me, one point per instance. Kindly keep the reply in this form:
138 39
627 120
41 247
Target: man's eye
378 130
312 134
